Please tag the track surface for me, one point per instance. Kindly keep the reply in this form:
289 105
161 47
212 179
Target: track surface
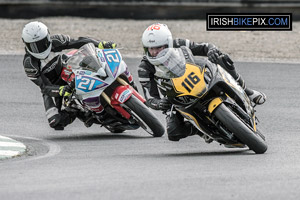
81 163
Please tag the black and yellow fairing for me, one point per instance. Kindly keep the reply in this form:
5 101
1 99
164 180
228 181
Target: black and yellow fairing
192 88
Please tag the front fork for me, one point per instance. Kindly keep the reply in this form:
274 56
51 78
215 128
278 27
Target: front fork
120 95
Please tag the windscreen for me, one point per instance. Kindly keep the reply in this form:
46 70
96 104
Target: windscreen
85 58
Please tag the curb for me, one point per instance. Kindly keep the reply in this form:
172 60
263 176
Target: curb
10 148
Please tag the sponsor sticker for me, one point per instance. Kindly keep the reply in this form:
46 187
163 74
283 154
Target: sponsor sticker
124 96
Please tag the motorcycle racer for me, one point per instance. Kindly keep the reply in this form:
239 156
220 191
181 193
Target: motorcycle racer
158 37
43 66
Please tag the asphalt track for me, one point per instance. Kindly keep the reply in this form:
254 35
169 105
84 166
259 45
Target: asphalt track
91 163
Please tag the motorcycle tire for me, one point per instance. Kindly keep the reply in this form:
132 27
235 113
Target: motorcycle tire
147 119
240 130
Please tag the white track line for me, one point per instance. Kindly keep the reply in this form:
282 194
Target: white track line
10 147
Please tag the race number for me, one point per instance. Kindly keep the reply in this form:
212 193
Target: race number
154 27
113 59
86 84
190 82
112 56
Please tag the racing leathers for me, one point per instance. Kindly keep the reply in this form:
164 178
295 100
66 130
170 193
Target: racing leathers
176 127
46 74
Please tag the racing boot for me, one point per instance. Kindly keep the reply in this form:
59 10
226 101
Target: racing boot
255 96
65 118
177 128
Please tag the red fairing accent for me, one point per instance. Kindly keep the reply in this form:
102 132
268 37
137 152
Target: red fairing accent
119 90
115 102
72 52
71 78
67 74
130 79
115 96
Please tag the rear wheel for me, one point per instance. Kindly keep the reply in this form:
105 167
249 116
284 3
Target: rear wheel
240 129
145 117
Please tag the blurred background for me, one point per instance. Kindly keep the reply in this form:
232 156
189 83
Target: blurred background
142 9
124 21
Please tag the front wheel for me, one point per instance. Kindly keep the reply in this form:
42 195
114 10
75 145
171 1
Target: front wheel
240 130
145 117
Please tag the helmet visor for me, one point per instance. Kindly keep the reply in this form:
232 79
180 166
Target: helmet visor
39 46
172 59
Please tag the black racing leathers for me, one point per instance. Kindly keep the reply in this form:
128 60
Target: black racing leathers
46 73
146 71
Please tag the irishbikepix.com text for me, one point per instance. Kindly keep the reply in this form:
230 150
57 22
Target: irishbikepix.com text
265 22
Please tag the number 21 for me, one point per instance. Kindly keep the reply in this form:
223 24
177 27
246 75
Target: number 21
86 84
112 56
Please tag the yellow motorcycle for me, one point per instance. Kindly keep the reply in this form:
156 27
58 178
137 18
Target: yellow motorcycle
208 97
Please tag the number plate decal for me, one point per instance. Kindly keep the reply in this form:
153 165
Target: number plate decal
87 84
191 83
113 59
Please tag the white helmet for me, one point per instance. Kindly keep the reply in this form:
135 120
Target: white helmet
37 39
156 35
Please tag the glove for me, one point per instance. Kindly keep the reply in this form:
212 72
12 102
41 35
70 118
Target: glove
213 55
107 45
65 91
159 104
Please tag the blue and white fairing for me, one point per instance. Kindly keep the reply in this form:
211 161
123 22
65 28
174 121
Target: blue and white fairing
95 69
